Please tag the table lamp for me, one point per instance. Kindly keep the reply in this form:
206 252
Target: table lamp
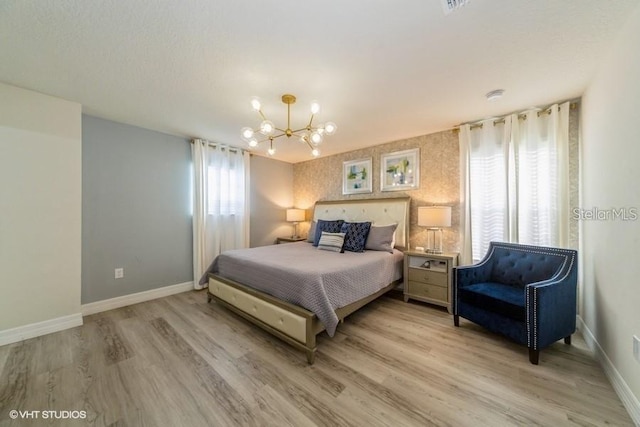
295 216
434 217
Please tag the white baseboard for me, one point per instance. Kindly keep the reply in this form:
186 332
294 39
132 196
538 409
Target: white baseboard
9 336
123 301
20 333
629 400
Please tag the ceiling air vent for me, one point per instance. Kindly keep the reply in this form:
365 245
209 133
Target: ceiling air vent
451 5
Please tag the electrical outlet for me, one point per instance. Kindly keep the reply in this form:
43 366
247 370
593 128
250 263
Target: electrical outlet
119 273
636 347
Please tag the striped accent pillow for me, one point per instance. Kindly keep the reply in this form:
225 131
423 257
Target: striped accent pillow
331 241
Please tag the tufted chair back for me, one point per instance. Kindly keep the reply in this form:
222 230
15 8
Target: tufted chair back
519 268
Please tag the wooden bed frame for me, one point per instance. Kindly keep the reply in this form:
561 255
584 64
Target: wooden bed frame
294 324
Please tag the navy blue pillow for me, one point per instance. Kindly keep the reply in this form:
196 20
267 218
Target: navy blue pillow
328 226
355 235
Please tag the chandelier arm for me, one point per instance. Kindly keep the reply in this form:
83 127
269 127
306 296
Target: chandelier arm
310 121
309 144
310 129
262 115
270 137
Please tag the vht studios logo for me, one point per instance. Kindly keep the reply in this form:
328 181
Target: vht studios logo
52 415
613 214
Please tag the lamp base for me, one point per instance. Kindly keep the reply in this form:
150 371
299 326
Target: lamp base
433 247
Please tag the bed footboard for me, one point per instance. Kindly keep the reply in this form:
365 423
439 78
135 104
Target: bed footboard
291 323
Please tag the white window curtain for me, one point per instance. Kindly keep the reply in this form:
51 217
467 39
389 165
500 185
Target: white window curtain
515 181
220 203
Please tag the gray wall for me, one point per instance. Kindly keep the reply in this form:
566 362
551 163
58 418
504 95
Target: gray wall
271 194
136 209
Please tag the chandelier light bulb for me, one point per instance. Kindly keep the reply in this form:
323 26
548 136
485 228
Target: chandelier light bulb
330 128
315 107
271 151
267 127
253 142
316 138
255 103
247 133
315 152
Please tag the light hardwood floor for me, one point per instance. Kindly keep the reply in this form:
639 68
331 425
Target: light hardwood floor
179 361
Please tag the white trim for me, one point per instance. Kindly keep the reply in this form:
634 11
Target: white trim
9 336
629 400
123 301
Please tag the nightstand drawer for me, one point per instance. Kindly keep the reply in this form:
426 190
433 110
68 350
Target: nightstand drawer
426 276
424 290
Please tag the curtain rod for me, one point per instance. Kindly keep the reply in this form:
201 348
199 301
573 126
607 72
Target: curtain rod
214 145
521 116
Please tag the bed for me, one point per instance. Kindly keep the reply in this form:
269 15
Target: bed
295 291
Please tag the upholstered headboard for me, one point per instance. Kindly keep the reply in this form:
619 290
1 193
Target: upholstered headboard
378 211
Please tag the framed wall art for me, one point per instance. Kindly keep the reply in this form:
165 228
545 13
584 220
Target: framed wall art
356 176
400 170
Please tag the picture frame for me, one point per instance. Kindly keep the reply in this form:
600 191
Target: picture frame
400 170
356 176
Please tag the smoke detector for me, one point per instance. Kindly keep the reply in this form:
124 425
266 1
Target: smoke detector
495 94
451 5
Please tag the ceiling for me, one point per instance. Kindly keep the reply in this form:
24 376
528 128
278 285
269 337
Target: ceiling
382 70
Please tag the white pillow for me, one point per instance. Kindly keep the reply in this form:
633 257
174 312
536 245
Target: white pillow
331 241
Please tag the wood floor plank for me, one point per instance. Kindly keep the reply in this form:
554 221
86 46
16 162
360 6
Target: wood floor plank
208 378
181 361
277 411
115 348
208 345
316 409
16 376
458 384
4 354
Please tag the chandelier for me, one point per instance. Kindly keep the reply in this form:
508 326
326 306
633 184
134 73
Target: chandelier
310 135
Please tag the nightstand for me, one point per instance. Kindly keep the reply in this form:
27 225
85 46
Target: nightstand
289 239
428 277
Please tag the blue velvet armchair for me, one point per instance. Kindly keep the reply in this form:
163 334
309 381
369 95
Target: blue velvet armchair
526 293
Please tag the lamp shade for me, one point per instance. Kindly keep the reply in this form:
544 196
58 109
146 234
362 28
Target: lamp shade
434 216
295 215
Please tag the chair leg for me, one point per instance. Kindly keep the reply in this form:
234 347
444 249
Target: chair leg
567 340
533 356
456 320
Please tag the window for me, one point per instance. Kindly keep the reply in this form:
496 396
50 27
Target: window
517 171
225 190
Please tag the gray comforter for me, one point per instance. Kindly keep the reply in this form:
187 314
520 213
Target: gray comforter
320 281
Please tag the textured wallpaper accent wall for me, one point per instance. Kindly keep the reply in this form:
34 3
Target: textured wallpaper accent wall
574 173
321 179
